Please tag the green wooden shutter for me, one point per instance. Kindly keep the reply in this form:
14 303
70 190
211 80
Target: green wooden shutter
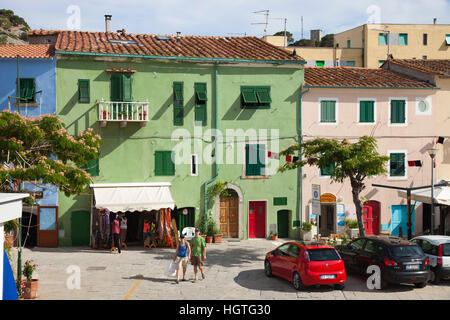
249 95
366 111
251 159
328 111
397 164
327 170
263 94
398 111
159 163
178 108
382 39
27 89
83 91
116 87
169 165
127 87
200 103
92 167
320 63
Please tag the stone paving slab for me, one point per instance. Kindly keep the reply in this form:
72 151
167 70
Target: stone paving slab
234 271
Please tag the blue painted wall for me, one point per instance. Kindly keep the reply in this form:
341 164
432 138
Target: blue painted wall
44 71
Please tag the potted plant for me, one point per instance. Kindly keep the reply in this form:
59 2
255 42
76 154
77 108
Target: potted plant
9 228
143 116
274 236
30 286
352 227
217 236
306 231
201 224
210 229
105 114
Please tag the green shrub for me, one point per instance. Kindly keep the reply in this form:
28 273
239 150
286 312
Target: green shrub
24 36
306 226
351 223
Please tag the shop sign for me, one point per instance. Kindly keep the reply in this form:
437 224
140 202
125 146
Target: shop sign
327 197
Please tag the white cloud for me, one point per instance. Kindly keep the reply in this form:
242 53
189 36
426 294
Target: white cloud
218 17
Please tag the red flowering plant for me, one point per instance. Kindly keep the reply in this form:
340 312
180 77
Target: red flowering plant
28 269
145 116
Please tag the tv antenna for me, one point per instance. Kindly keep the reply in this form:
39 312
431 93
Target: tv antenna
266 13
285 21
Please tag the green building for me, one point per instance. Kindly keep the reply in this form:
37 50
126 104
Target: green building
139 91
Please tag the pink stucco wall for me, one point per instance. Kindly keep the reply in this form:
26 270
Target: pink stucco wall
414 138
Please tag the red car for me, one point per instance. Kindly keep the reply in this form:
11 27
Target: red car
306 265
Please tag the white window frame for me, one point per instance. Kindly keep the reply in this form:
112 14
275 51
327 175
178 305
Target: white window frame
266 162
336 100
390 124
374 112
196 165
405 177
429 112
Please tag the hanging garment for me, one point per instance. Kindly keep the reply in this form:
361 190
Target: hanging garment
168 227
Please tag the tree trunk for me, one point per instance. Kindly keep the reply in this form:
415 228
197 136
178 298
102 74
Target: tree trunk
357 187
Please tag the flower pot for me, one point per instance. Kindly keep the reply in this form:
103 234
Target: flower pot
203 236
30 289
209 239
217 238
353 233
306 235
274 237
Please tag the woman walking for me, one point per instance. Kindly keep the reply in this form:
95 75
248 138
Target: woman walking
182 257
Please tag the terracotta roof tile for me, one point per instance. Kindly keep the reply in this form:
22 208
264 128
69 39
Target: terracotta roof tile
434 66
354 77
27 51
248 48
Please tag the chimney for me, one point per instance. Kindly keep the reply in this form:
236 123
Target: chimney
434 20
108 22
178 36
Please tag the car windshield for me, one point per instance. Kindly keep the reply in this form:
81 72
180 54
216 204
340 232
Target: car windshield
323 255
406 251
446 249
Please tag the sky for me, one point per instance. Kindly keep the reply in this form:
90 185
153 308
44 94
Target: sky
225 18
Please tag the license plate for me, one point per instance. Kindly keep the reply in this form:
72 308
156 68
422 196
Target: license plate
328 276
413 267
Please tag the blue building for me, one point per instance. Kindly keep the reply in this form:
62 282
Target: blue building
35 67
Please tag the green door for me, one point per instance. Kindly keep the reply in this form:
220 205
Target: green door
283 223
186 219
81 228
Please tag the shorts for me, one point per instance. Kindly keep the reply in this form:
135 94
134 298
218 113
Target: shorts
182 261
196 261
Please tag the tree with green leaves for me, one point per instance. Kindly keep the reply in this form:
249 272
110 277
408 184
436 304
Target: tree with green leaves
289 36
40 151
327 40
355 161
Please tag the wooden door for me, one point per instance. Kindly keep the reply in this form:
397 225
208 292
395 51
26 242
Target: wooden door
283 223
371 217
229 217
47 226
81 222
257 219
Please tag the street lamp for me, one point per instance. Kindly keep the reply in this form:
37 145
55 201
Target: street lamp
432 153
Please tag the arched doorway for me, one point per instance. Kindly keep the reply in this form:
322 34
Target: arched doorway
229 214
371 217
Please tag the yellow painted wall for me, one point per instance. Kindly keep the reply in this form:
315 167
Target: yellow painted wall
355 35
442 120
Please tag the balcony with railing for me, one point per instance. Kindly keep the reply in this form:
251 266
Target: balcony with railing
122 112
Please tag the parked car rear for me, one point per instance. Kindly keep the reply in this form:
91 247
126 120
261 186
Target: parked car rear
437 249
306 265
399 260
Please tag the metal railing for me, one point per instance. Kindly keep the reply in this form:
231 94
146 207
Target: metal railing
123 111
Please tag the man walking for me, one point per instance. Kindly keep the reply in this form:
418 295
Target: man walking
198 251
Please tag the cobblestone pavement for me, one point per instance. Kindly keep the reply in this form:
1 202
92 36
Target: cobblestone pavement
234 270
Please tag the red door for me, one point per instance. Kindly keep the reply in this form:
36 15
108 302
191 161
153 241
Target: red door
371 217
257 219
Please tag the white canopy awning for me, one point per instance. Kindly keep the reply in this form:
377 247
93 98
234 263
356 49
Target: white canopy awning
121 197
441 195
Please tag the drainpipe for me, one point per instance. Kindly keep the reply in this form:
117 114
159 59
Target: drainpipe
216 117
300 140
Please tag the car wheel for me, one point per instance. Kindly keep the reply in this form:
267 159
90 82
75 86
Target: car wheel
339 286
420 285
297 282
268 269
434 278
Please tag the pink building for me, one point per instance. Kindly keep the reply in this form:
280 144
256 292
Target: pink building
398 111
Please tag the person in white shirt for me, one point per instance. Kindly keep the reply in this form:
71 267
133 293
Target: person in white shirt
123 231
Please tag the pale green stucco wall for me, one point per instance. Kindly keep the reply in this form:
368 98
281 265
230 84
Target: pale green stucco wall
128 153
